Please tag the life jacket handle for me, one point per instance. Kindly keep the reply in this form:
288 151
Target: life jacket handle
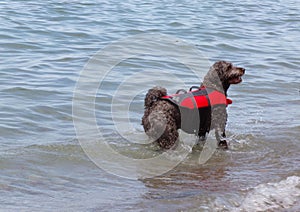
181 90
194 87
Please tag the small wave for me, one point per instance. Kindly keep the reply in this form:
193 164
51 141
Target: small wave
65 150
70 148
22 46
242 142
273 196
29 92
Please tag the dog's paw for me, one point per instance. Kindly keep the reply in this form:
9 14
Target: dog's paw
223 144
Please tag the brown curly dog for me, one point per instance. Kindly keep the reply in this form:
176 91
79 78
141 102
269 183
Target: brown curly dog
197 111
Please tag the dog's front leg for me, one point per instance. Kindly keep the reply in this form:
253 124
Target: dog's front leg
219 119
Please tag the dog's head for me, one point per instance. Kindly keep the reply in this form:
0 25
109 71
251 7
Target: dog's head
228 73
223 74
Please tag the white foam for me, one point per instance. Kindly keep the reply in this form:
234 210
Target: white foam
273 196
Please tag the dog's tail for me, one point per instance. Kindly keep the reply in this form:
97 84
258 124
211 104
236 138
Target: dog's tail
153 95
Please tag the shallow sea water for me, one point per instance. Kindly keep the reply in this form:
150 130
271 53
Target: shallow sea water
45 45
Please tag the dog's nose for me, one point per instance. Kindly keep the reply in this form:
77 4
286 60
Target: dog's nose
243 70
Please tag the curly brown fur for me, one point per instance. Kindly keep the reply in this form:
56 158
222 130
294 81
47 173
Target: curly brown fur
162 119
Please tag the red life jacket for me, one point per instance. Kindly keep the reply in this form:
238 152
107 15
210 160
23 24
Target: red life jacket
195 108
200 98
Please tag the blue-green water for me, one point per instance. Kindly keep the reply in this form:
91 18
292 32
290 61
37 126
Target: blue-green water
45 44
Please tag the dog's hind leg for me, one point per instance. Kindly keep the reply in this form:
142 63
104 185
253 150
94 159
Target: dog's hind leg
161 127
169 137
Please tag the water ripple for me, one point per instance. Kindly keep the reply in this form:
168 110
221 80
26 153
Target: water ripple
44 46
